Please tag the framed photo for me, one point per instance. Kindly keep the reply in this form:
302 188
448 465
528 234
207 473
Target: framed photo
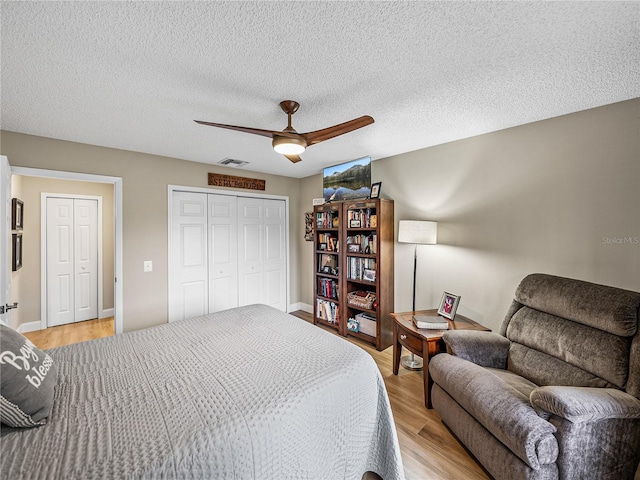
369 275
322 246
448 305
375 190
354 248
17 214
16 256
355 223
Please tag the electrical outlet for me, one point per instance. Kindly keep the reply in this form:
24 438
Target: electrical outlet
148 266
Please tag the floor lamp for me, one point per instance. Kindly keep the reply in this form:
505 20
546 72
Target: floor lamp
418 232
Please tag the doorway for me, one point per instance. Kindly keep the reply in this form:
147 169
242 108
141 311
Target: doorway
116 183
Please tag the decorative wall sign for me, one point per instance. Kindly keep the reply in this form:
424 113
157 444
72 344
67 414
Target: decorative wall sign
218 180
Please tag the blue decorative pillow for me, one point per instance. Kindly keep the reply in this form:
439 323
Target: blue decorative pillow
27 380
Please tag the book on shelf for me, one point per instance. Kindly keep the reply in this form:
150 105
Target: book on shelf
430 322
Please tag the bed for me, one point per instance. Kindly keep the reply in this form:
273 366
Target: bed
247 393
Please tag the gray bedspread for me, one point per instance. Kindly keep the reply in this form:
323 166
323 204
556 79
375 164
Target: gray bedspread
248 393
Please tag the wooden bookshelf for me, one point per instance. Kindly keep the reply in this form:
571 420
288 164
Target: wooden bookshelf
364 277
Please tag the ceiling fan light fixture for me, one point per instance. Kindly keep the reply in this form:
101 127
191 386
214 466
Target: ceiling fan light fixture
289 146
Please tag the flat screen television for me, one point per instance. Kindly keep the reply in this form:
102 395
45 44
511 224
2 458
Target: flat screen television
347 180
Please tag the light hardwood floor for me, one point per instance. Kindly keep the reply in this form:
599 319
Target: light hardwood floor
429 450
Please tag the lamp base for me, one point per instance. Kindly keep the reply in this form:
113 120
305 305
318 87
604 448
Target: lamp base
411 362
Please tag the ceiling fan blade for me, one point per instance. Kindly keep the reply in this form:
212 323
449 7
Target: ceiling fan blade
256 131
293 158
340 129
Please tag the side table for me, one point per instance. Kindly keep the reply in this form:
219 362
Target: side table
424 342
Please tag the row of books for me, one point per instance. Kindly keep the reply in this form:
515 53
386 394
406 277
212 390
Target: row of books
327 311
367 243
367 218
327 219
327 288
361 268
328 242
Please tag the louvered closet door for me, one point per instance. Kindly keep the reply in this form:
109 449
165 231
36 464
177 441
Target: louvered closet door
188 284
223 252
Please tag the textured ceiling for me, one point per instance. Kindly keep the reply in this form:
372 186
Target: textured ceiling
134 75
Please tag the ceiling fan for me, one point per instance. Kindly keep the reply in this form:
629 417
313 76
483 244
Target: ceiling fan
290 143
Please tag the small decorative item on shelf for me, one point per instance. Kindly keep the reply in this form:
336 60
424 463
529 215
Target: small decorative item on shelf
448 305
353 325
361 299
375 190
369 275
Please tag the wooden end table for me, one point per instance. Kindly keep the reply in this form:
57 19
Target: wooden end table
423 342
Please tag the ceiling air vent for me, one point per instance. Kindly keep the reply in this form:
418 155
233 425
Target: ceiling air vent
232 162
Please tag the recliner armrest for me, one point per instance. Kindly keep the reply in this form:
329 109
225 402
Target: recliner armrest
585 404
487 349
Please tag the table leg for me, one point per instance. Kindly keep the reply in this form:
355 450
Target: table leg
428 383
397 350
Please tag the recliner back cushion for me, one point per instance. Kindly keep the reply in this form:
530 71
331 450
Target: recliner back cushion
605 308
550 350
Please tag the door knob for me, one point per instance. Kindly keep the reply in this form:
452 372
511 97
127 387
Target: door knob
8 307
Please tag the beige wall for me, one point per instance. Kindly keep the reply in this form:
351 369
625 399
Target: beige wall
30 274
145 179
560 196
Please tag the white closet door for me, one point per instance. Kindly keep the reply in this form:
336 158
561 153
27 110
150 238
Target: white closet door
223 252
250 251
60 262
275 260
85 219
188 290
72 260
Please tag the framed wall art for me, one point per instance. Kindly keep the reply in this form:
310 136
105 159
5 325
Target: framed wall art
16 251
17 214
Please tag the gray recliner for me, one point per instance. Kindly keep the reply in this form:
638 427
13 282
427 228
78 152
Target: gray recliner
556 394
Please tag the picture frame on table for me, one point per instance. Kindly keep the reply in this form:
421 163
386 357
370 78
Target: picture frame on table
375 190
448 305
17 214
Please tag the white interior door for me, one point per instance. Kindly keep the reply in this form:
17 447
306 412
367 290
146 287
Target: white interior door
223 252
188 289
275 260
72 260
60 285
250 251
85 255
5 237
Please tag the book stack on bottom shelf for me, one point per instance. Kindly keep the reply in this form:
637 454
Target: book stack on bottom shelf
327 311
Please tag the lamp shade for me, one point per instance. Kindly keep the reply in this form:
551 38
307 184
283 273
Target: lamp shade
418 231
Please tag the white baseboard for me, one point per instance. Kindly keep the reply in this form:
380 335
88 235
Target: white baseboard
107 312
29 327
301 306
